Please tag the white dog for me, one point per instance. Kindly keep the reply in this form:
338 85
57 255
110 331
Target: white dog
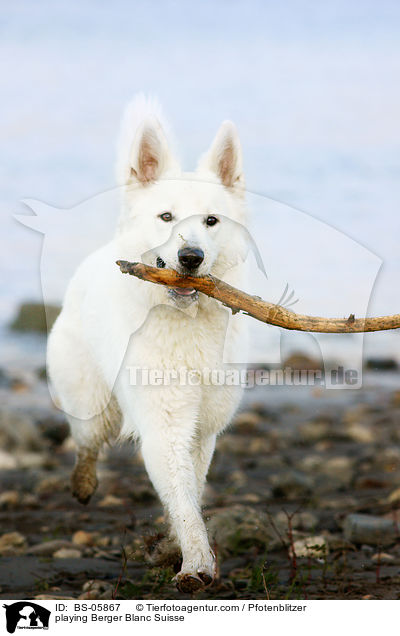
190 222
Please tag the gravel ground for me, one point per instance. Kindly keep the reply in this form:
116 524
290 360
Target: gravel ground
302 502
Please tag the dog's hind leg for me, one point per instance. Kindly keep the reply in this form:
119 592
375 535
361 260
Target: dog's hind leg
91 410
84 478
89 437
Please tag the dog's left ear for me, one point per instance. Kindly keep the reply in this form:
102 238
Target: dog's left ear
224 158
144 154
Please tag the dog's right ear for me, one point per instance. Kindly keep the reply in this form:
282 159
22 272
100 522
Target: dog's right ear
144 153
150 156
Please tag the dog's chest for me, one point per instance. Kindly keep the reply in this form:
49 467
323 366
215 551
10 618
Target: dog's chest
171 338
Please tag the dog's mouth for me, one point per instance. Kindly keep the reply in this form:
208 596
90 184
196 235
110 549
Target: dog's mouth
183 292
178 292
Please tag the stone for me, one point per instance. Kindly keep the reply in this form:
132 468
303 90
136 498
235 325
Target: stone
247 422
361 528
67 553
31 459
356 414
143 493
271 463
48 548
238 528
261 409
238 478
80 537
94 589
109 501
7 461
53 483
337 542
258 446
388 459
310 463
230 444
394 496
9 499
90 595
301 520
360 433
103 542
12 543
382 557
107 595
340 468
252 497
54 597
336 502
314 431
30 501
316 547
291 484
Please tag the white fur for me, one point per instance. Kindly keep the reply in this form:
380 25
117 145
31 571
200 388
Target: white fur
111 322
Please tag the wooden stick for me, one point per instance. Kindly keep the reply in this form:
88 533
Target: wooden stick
256 307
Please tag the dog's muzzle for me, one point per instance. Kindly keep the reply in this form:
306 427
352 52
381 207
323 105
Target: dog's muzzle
190 257
179 292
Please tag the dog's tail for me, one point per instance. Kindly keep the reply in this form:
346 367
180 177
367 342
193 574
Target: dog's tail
141 111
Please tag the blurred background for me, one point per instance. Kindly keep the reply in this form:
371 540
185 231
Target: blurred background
314 90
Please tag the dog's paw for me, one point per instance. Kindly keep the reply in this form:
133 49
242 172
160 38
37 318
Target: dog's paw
188 583
206 577
191 579
83 485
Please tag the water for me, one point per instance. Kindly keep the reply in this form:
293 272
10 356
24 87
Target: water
313 89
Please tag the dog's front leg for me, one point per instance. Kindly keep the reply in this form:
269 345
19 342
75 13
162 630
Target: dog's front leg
166 451
167 427
202 452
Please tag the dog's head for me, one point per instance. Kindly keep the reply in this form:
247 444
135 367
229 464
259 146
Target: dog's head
191 222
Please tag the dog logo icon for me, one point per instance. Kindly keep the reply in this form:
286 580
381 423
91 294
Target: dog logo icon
26 615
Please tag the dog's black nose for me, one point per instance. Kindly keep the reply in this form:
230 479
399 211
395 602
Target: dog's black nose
190 257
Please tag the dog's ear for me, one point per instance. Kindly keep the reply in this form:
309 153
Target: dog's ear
144 155
150 156
224 158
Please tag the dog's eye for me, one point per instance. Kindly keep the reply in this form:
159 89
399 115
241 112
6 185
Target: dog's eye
166 216
211 220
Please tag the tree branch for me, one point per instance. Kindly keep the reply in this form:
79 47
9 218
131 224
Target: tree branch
256 307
